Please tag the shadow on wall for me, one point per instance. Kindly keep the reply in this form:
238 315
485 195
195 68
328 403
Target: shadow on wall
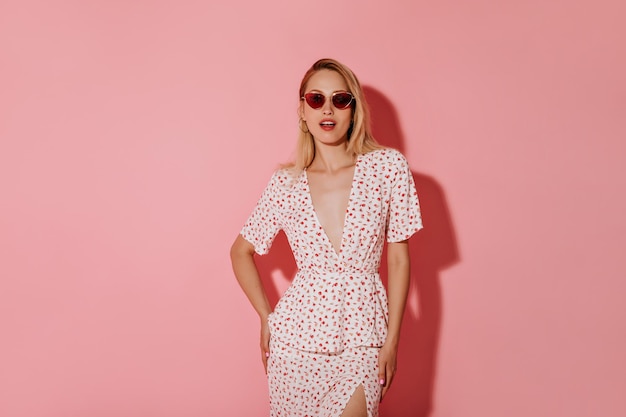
432 250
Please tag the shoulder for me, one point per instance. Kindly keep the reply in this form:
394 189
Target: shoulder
284 179
386 158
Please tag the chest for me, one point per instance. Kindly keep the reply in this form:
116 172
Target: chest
330 196
351 212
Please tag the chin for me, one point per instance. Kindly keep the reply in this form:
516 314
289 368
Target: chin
330 138
332 141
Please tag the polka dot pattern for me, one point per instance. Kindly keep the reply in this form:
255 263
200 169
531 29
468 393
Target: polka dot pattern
336 307
315 385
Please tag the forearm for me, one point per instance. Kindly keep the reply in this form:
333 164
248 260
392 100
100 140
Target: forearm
242 258
398 264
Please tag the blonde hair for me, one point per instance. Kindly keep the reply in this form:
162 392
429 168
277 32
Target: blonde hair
360 138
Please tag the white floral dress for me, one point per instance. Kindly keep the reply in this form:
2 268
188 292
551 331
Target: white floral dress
327 327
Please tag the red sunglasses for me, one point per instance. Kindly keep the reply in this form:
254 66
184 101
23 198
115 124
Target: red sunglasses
340 100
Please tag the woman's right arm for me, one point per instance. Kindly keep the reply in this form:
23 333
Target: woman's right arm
242 258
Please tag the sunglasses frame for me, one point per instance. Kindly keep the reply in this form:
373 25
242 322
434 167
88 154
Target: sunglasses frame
332 97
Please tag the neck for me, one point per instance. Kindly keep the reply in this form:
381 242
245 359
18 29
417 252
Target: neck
331 158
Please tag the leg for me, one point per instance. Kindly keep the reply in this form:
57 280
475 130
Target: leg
356 406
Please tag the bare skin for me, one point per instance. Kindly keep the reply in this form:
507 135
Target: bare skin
242 258
357 406
330 192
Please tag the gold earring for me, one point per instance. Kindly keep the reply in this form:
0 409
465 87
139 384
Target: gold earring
302 121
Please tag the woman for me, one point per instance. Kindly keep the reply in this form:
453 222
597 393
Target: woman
330 345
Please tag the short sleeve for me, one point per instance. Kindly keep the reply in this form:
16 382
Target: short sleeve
404 209
264 223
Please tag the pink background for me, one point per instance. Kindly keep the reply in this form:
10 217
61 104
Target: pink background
136 136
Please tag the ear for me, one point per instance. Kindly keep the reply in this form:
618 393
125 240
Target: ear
301 110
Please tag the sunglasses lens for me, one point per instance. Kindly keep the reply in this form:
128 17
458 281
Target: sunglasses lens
342 100
315 100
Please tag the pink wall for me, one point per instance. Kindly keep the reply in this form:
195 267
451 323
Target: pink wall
136 136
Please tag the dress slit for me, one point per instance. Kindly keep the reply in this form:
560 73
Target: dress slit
353 391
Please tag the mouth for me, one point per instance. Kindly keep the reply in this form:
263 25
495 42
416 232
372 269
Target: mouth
327 124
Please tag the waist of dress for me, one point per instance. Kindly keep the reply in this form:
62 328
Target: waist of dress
339 271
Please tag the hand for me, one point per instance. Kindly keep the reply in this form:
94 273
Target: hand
386 367
265 343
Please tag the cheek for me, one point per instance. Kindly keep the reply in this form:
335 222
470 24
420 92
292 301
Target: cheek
344 126
347 117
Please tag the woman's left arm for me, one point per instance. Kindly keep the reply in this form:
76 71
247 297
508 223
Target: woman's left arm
398 263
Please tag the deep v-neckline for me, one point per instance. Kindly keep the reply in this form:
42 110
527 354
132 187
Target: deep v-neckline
336 251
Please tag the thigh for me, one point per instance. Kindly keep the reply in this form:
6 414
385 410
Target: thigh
357 405
355 389
298 381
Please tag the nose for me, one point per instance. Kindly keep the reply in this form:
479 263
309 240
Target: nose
327 108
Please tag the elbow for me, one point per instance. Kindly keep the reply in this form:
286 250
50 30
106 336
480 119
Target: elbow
240 248
234 251
399 264
398 257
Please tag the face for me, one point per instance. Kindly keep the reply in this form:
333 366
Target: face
328 124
